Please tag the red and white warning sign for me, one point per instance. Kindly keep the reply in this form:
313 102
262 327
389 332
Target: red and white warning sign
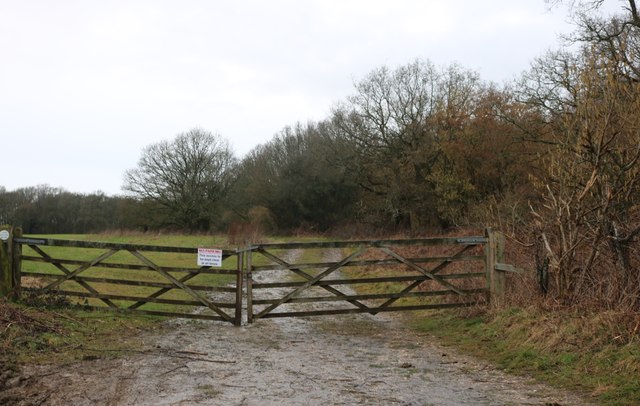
209 257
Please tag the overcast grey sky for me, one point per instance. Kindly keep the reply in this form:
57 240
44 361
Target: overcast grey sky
85 85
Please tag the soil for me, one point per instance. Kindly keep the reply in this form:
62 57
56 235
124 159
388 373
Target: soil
328 360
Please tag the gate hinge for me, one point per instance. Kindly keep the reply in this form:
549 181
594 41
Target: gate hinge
472 240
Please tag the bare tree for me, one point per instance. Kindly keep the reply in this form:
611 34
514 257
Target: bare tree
398 121
590 183
617 36
186 178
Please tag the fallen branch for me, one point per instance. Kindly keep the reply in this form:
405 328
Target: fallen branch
166 353
172 370
217 361
191 352
69 318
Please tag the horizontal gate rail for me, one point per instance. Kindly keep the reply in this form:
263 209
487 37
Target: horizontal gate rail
131 282
149 282
314 299
476 240
135 298
359 311
53 242
181 315
370 262
132 267
327 282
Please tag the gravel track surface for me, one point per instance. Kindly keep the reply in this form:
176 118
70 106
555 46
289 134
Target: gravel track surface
341 360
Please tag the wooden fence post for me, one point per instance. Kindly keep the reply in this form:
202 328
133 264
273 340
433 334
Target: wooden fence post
499 275
494 253
489 260
17 263
9 262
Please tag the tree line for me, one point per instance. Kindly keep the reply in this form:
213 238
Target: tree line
45 209
416 147
553 157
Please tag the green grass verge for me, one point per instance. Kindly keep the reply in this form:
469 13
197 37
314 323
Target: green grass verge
592 354
54 333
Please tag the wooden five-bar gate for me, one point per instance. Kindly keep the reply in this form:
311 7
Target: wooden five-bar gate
154 280
269 280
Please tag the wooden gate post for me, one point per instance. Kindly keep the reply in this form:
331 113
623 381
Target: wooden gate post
249 275
239 278
494 252
9 261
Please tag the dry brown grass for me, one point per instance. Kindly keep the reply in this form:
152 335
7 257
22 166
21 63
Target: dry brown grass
243 233
19 327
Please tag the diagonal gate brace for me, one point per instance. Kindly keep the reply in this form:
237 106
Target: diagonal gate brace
312 281
181 285
435 270
305 275
67 272
162 291
81 268
422 270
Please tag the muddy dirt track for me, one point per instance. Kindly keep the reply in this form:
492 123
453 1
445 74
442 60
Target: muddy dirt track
350 360
332 360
